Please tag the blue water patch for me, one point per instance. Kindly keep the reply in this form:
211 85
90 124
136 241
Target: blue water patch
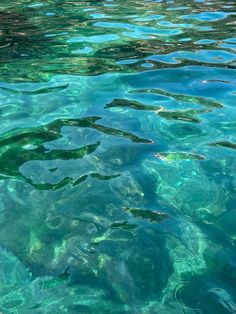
207 16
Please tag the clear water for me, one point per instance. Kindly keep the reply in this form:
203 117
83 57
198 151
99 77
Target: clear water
118 157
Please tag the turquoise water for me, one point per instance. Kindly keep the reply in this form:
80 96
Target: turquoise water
118 157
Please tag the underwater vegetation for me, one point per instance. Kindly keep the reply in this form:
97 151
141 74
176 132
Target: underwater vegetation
117 157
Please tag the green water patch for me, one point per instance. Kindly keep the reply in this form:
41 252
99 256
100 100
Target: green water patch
182 98
224 144
131 104
172 156
37 91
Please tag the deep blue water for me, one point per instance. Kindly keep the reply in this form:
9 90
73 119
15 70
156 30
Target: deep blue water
117 157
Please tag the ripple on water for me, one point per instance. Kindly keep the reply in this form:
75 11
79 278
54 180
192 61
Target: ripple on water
117 157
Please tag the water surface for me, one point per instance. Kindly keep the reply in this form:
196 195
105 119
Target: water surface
118 157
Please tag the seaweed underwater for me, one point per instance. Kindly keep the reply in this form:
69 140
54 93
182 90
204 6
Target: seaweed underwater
117 157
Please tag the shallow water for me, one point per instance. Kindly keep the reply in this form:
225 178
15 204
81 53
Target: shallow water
118 157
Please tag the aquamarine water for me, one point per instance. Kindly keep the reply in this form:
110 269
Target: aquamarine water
118 157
